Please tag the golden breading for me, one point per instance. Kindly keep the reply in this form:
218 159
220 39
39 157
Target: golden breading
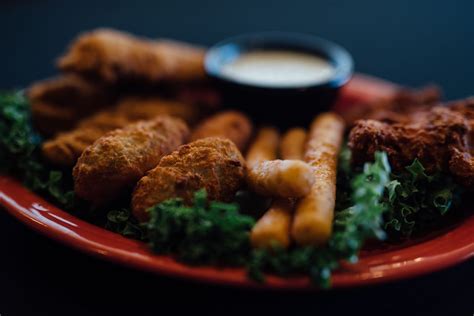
313 220
264 146
273 228
292 144
116 161
232 125
211 163
70 90
58 103
66 147
114 56
281 178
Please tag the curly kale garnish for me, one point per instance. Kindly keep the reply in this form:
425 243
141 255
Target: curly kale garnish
121 221
205 232
416 201
20 151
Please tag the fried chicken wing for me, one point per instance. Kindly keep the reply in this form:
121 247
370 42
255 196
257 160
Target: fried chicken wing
232 125
116 161
212 163
114 56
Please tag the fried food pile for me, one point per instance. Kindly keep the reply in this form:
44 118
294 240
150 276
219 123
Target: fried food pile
136 119
109 70
418 126
120 158
212 163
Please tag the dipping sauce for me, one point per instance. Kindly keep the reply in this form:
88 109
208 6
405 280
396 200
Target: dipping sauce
281 69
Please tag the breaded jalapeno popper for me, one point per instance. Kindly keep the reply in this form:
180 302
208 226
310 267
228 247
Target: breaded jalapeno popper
65 148
312 223
211 163
114 56
116 161
273 228
232 125
276 178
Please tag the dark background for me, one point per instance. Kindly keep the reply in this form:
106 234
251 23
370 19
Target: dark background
409 42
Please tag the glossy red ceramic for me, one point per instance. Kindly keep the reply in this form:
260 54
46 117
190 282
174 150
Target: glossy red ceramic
447 248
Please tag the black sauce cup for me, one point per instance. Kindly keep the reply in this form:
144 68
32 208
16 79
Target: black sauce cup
281 106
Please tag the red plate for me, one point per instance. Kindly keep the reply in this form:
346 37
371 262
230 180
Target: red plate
445 249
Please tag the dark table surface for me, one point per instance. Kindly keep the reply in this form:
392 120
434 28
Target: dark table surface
410 42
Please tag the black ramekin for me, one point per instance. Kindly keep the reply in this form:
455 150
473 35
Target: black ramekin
279 106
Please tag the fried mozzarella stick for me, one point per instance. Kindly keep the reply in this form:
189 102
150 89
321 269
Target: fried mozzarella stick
116 161
264 146
273 228
312 223
65 148
292 144
114 56
281 178
232 125
211 163
277 178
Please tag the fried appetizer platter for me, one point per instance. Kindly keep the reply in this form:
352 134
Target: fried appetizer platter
212 163
119 159
134 129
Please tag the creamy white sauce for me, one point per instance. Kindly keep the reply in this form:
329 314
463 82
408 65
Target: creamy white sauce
278 69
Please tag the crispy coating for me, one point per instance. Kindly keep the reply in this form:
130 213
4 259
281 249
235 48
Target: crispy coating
264 146
114 56
270 177
466 109
396 108
66 147
428 136
58 103
461 166
292 144
211 163
281 178
313 220
116 161
232 125
273 228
